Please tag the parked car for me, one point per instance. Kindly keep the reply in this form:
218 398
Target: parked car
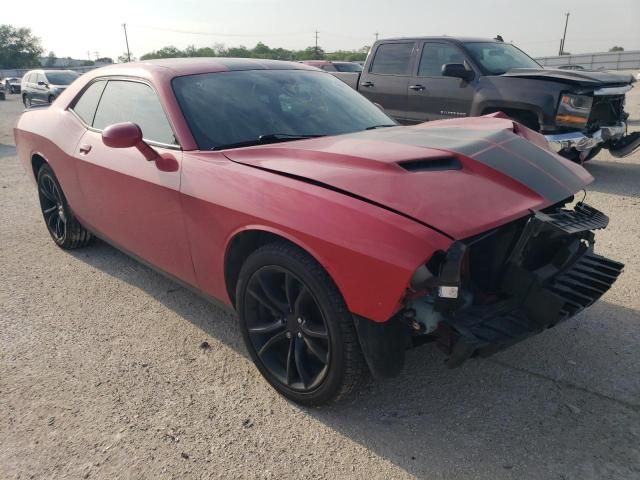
339 237
44 86
11 85
2 91
430 78
331 66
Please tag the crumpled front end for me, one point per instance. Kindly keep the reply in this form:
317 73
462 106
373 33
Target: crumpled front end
496 289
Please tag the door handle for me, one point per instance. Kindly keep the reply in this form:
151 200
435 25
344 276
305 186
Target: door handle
417 87
366 84
85 149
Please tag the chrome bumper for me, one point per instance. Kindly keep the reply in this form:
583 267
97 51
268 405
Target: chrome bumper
582 142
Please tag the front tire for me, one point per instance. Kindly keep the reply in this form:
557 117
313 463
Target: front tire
26 100
65 230
297 327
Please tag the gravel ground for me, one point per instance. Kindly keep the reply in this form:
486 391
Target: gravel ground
103 375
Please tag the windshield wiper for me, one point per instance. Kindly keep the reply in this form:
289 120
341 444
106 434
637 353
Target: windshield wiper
380 126
267 138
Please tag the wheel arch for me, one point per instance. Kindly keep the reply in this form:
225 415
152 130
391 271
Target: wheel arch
37 160
245 241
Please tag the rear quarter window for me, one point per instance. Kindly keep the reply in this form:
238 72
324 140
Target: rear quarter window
85 106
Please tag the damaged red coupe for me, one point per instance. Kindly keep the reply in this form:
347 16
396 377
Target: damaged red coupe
340 238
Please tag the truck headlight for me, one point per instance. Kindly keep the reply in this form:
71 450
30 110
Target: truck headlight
573 110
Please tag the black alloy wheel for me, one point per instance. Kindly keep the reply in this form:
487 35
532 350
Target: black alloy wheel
297 327
62 225
287 328
52 208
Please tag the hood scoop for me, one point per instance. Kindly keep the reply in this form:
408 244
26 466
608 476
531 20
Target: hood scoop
432 164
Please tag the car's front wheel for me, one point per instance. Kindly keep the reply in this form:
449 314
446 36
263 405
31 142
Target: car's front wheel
63 226
26 100
297 327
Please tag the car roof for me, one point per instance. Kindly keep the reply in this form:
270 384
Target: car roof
446 38
199 65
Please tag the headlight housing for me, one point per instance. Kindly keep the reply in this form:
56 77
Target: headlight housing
573 110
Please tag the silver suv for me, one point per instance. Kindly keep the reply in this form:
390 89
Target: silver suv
44 86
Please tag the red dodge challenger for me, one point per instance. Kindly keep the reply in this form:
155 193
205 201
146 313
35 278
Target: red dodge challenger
340 238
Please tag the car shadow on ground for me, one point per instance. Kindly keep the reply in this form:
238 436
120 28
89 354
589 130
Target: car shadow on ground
576 385
7 150
617 177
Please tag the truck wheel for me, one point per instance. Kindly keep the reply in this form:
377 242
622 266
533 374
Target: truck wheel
63 227
296 326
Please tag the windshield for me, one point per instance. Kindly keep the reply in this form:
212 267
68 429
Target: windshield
61 78
347 67
230 108
498 58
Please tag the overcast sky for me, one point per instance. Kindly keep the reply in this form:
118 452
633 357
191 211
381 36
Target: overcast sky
75 27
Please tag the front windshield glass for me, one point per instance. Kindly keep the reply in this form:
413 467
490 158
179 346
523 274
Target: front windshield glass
498 58
347 67
61 78
230 108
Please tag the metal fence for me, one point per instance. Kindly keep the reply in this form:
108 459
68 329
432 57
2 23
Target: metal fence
605 60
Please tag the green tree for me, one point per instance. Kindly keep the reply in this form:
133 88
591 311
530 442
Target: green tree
19 48
124 58
164 52
616 49
104 60
51 60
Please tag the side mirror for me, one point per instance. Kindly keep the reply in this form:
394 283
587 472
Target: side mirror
457 70
127 135
42 84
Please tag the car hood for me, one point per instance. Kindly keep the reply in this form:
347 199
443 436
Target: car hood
461 177
576 77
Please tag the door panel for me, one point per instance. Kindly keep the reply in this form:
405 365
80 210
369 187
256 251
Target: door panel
134 204
432 96
387 78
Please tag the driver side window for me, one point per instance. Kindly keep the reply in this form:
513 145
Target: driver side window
130 101
435 55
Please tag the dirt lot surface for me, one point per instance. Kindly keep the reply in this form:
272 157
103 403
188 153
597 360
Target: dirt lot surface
102 375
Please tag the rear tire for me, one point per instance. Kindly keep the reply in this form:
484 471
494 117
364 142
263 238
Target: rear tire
297 327
65 230
26 100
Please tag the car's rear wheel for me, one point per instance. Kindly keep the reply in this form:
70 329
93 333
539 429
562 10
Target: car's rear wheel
50 99
296 326
62 225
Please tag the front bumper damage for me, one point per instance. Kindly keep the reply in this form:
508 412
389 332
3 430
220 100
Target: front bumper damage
497 289
613 137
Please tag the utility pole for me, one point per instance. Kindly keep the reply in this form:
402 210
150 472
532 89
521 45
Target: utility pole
564 35
317 43
126 39
376 34
97 54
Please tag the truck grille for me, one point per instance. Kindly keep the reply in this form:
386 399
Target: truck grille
606 110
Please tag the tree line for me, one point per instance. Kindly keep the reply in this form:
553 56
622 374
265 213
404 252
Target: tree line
261 50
